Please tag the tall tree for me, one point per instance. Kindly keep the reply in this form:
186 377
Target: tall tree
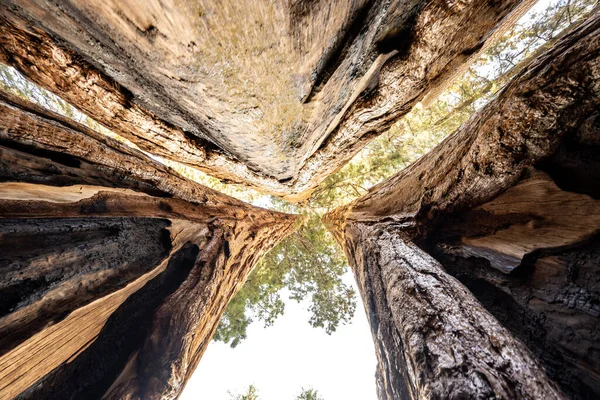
182 81
433 339
414 135
115 269
431 121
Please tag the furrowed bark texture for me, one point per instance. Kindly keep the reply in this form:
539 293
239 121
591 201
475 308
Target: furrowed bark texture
338 73
509 205
39 146
531 257
107 291
443 343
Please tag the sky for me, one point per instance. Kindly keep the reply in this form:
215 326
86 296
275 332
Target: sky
282 359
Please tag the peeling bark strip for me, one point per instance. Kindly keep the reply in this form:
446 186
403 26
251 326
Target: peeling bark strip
449 345
347 71
96 277
532 216
513 234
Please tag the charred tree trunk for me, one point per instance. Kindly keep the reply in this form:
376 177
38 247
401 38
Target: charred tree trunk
350 70
531 257
115 270
517 236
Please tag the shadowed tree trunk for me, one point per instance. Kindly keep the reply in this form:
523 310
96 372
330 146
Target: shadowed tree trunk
331 75
115 270
508 204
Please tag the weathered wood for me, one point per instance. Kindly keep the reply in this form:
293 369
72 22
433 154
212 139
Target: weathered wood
39 146
460 202
551 303
443 344
538 266
532 216
276 95
527 121
115 270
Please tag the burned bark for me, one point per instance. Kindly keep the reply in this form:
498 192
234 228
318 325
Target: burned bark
495 205
115 270
338 74
531 257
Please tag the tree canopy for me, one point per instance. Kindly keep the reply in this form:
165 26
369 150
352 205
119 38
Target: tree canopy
309 266
309 394
252 394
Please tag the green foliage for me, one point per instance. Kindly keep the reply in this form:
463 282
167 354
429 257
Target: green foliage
309 394
309 266
250 394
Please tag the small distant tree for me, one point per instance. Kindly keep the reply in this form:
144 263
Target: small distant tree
309 394
250 394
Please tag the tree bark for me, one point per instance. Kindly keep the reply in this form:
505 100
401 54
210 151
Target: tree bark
350 69
531 257
480 198
437 341
526 122
115 270
40 146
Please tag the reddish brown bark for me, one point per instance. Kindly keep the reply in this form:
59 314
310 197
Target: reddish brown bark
111 263
346 71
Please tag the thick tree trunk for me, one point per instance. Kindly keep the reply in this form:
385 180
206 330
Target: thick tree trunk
551 303
107 291
40 146
340 73
480 200
435 340
531 256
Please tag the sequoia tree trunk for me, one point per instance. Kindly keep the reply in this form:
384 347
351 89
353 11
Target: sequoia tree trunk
516 184
115 270
346 71
435 340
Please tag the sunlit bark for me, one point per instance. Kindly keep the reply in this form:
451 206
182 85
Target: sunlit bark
351 68
115 270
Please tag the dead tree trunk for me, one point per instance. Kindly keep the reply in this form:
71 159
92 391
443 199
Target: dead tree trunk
480 195
115 270
342 72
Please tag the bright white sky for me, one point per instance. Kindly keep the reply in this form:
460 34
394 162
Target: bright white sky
291 354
